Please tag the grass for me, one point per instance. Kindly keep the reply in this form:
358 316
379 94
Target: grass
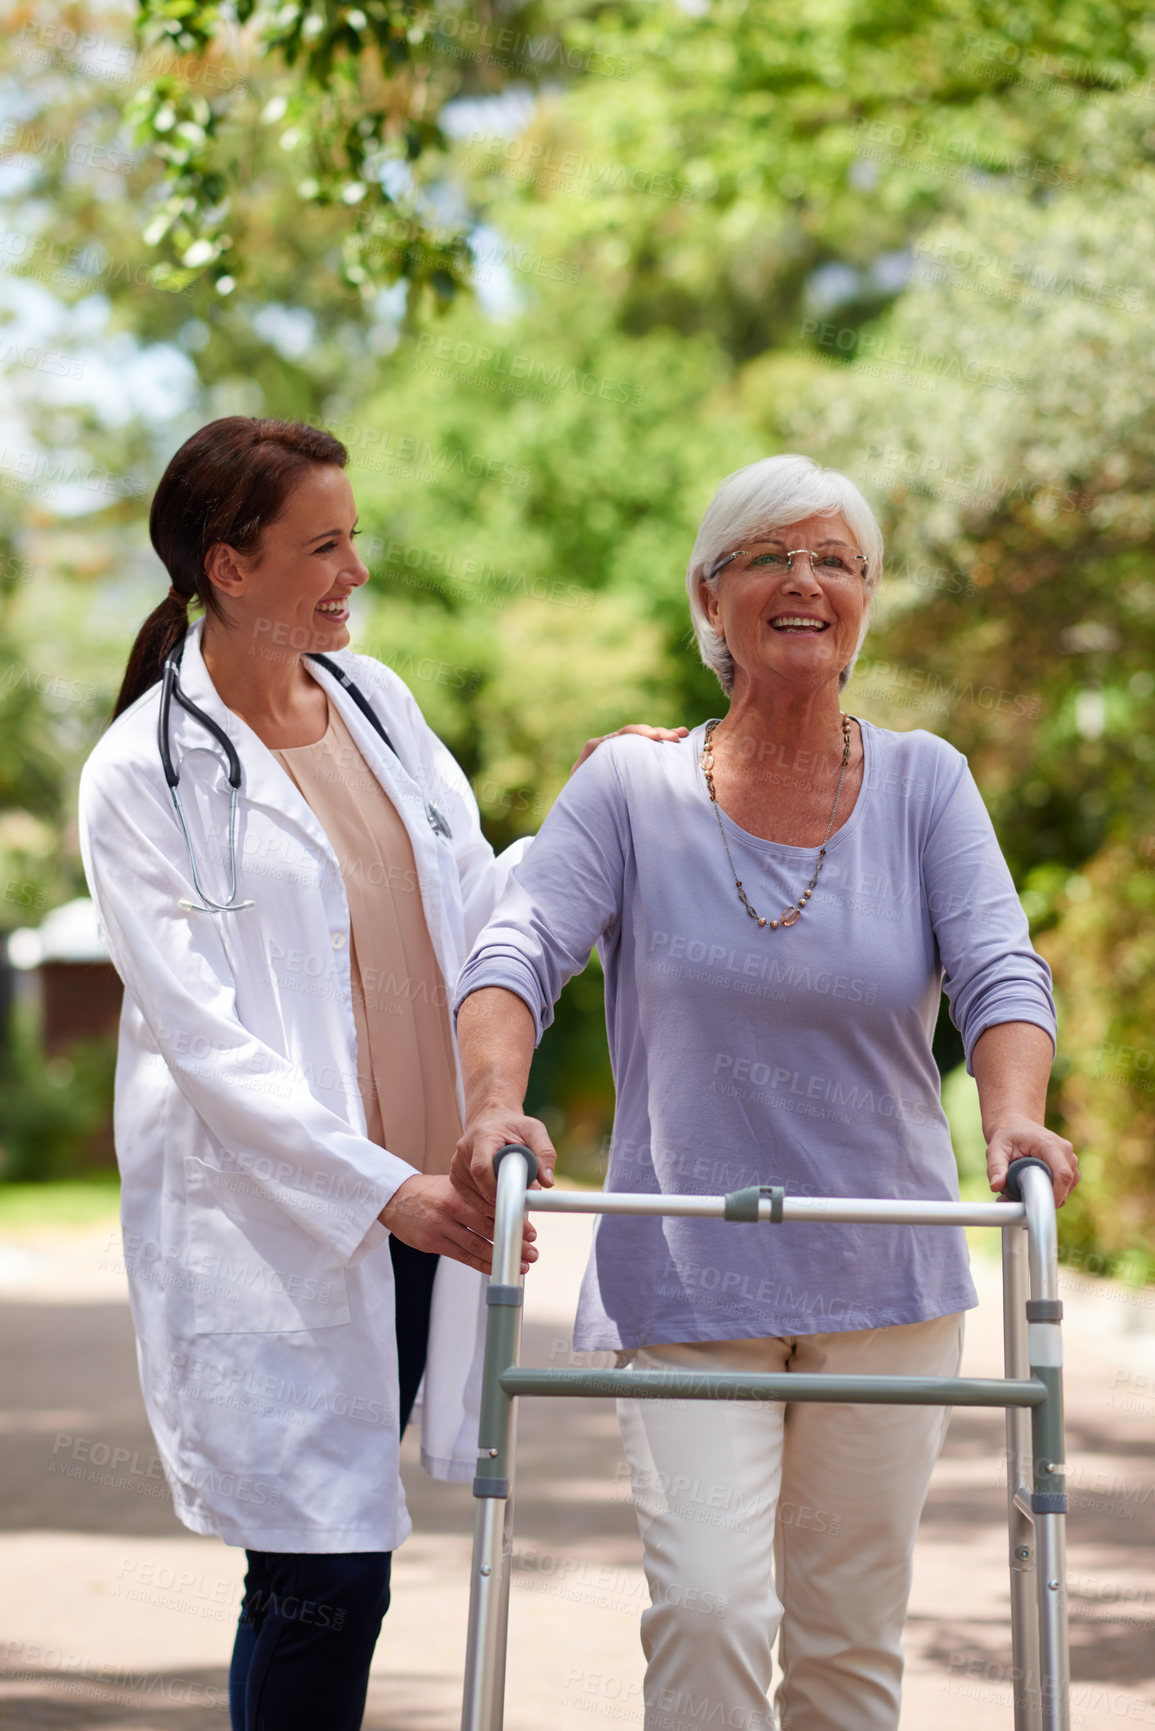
61 1203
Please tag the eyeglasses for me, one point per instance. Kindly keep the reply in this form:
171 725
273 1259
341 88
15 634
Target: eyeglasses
835 562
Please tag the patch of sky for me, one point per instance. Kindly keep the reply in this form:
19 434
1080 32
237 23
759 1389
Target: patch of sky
18 101
498 292
837 284
54 356
292 331
396 177
389 305
501 116
18 176
890 272
832 285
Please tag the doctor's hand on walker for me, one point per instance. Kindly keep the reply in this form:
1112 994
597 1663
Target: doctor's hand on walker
433 1214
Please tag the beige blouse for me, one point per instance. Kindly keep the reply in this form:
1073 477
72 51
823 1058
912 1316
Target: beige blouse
405 1061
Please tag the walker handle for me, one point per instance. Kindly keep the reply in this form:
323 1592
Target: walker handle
1011 1189
530 1159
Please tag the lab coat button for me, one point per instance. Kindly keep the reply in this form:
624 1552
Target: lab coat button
338 940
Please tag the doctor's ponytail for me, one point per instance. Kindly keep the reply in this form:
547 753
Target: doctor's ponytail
225 484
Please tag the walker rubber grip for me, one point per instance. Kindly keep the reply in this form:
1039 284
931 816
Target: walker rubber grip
1049 1502
518 1148
1012 1190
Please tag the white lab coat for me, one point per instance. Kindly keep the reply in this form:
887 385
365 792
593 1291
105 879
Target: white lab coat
260 1278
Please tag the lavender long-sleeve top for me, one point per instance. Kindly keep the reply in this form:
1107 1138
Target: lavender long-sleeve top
742 1055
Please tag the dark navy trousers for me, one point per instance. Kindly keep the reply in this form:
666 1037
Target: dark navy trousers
309 1622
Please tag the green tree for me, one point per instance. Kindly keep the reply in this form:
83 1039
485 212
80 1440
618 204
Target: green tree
914 242
358 92
1022 621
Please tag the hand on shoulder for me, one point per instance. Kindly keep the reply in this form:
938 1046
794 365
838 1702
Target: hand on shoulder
659 734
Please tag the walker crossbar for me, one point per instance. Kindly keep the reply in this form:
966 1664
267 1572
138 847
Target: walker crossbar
835 1211
1031 1393
733 1385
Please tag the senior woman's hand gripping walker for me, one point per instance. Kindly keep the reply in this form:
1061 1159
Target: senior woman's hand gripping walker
778 903
289 867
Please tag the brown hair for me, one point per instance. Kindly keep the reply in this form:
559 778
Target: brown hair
226 483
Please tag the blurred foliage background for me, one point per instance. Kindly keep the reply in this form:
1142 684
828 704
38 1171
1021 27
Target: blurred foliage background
551 271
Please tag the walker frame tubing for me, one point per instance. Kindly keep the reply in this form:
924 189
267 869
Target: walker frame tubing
1031 1392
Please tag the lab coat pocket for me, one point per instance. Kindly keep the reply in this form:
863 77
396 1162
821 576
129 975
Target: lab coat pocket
254 1270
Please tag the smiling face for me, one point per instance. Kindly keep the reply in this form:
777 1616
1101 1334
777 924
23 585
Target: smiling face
293 591
799 627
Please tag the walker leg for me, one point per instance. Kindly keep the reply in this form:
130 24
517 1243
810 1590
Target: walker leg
1048 1498
1021 1524
1052 1581
483 1704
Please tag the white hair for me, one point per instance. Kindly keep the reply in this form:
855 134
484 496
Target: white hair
753 503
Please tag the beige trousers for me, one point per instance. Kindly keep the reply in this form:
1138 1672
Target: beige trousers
764 1519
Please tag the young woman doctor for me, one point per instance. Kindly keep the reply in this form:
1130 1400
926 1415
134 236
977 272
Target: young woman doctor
289 870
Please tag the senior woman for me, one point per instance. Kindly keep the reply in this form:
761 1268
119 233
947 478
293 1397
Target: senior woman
777 903
288 866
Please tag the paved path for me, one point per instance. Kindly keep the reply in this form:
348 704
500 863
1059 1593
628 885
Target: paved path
113 1617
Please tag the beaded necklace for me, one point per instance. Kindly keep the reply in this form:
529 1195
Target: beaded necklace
794 912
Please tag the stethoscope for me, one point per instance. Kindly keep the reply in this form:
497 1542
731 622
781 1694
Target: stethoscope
171 689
